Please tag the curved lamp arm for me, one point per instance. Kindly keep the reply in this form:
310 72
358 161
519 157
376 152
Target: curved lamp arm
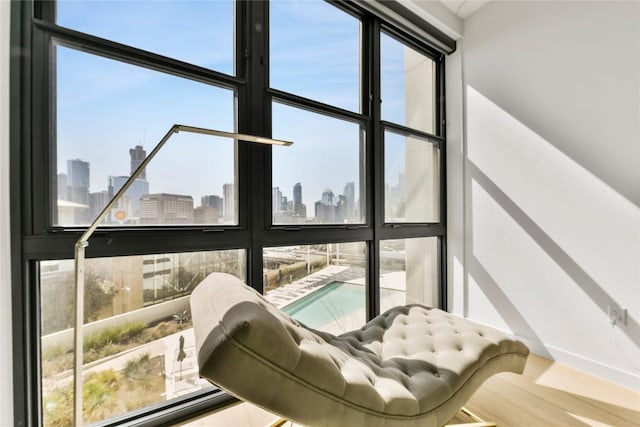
83 242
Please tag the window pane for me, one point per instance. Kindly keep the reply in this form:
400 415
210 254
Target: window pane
315 52
137 319
199 32
318 180
105 130
408 86
409 272
322 286
411 179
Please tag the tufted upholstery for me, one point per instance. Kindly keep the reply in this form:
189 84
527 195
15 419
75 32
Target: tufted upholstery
411 366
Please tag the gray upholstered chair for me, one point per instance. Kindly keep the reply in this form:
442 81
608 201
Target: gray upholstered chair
411 366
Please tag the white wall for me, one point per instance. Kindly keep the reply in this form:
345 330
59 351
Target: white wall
543 112
6 371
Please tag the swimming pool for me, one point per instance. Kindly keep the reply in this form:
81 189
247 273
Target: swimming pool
333 302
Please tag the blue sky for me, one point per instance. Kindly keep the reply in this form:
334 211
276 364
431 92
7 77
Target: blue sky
105 107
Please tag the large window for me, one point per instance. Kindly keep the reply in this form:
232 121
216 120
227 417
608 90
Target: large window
408 87
315 52
317 180
344 224
139 345
109 114
198 32
409 272
411 178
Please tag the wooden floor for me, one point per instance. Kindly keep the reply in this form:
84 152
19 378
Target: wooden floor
547 394
552 394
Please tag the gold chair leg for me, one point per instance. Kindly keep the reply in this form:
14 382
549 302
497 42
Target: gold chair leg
278 422
478 422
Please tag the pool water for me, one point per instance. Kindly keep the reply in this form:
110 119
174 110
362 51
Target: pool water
330 303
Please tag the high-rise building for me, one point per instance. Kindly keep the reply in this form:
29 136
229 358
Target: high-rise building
325 212
299 208
349 200
276 199
327 197
163 208
209 211
229 202
97 202
137 189
213 201
297 194
341 209
78 181
138 154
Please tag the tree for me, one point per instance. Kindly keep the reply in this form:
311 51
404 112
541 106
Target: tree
97 295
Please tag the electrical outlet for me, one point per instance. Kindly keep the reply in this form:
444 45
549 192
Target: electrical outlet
617 314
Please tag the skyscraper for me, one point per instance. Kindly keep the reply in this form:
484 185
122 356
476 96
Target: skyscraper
78 181
97 202
138 154
211 207
297 194
276 199
298 207
349 200
212 201
325 212
327 197
129 205
138 188
229 202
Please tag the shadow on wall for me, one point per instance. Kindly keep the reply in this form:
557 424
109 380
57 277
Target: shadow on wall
550 245
590 287
569 72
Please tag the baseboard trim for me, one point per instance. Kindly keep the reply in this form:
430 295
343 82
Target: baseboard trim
592 367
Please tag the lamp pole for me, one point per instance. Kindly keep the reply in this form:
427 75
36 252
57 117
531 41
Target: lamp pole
82 243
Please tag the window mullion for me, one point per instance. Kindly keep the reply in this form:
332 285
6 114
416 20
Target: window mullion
376 166
257 120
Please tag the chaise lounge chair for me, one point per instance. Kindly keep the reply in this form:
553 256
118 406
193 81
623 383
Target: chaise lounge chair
411 366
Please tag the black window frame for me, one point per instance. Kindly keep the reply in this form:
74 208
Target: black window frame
35 238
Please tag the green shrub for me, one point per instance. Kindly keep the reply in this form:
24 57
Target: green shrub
57 407
138 368
107 393
133 329
98 387
113 335
54 351
97 392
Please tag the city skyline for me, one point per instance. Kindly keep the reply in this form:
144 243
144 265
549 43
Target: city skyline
139 203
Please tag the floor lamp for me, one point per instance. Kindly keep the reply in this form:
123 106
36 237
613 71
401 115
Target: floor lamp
83 242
